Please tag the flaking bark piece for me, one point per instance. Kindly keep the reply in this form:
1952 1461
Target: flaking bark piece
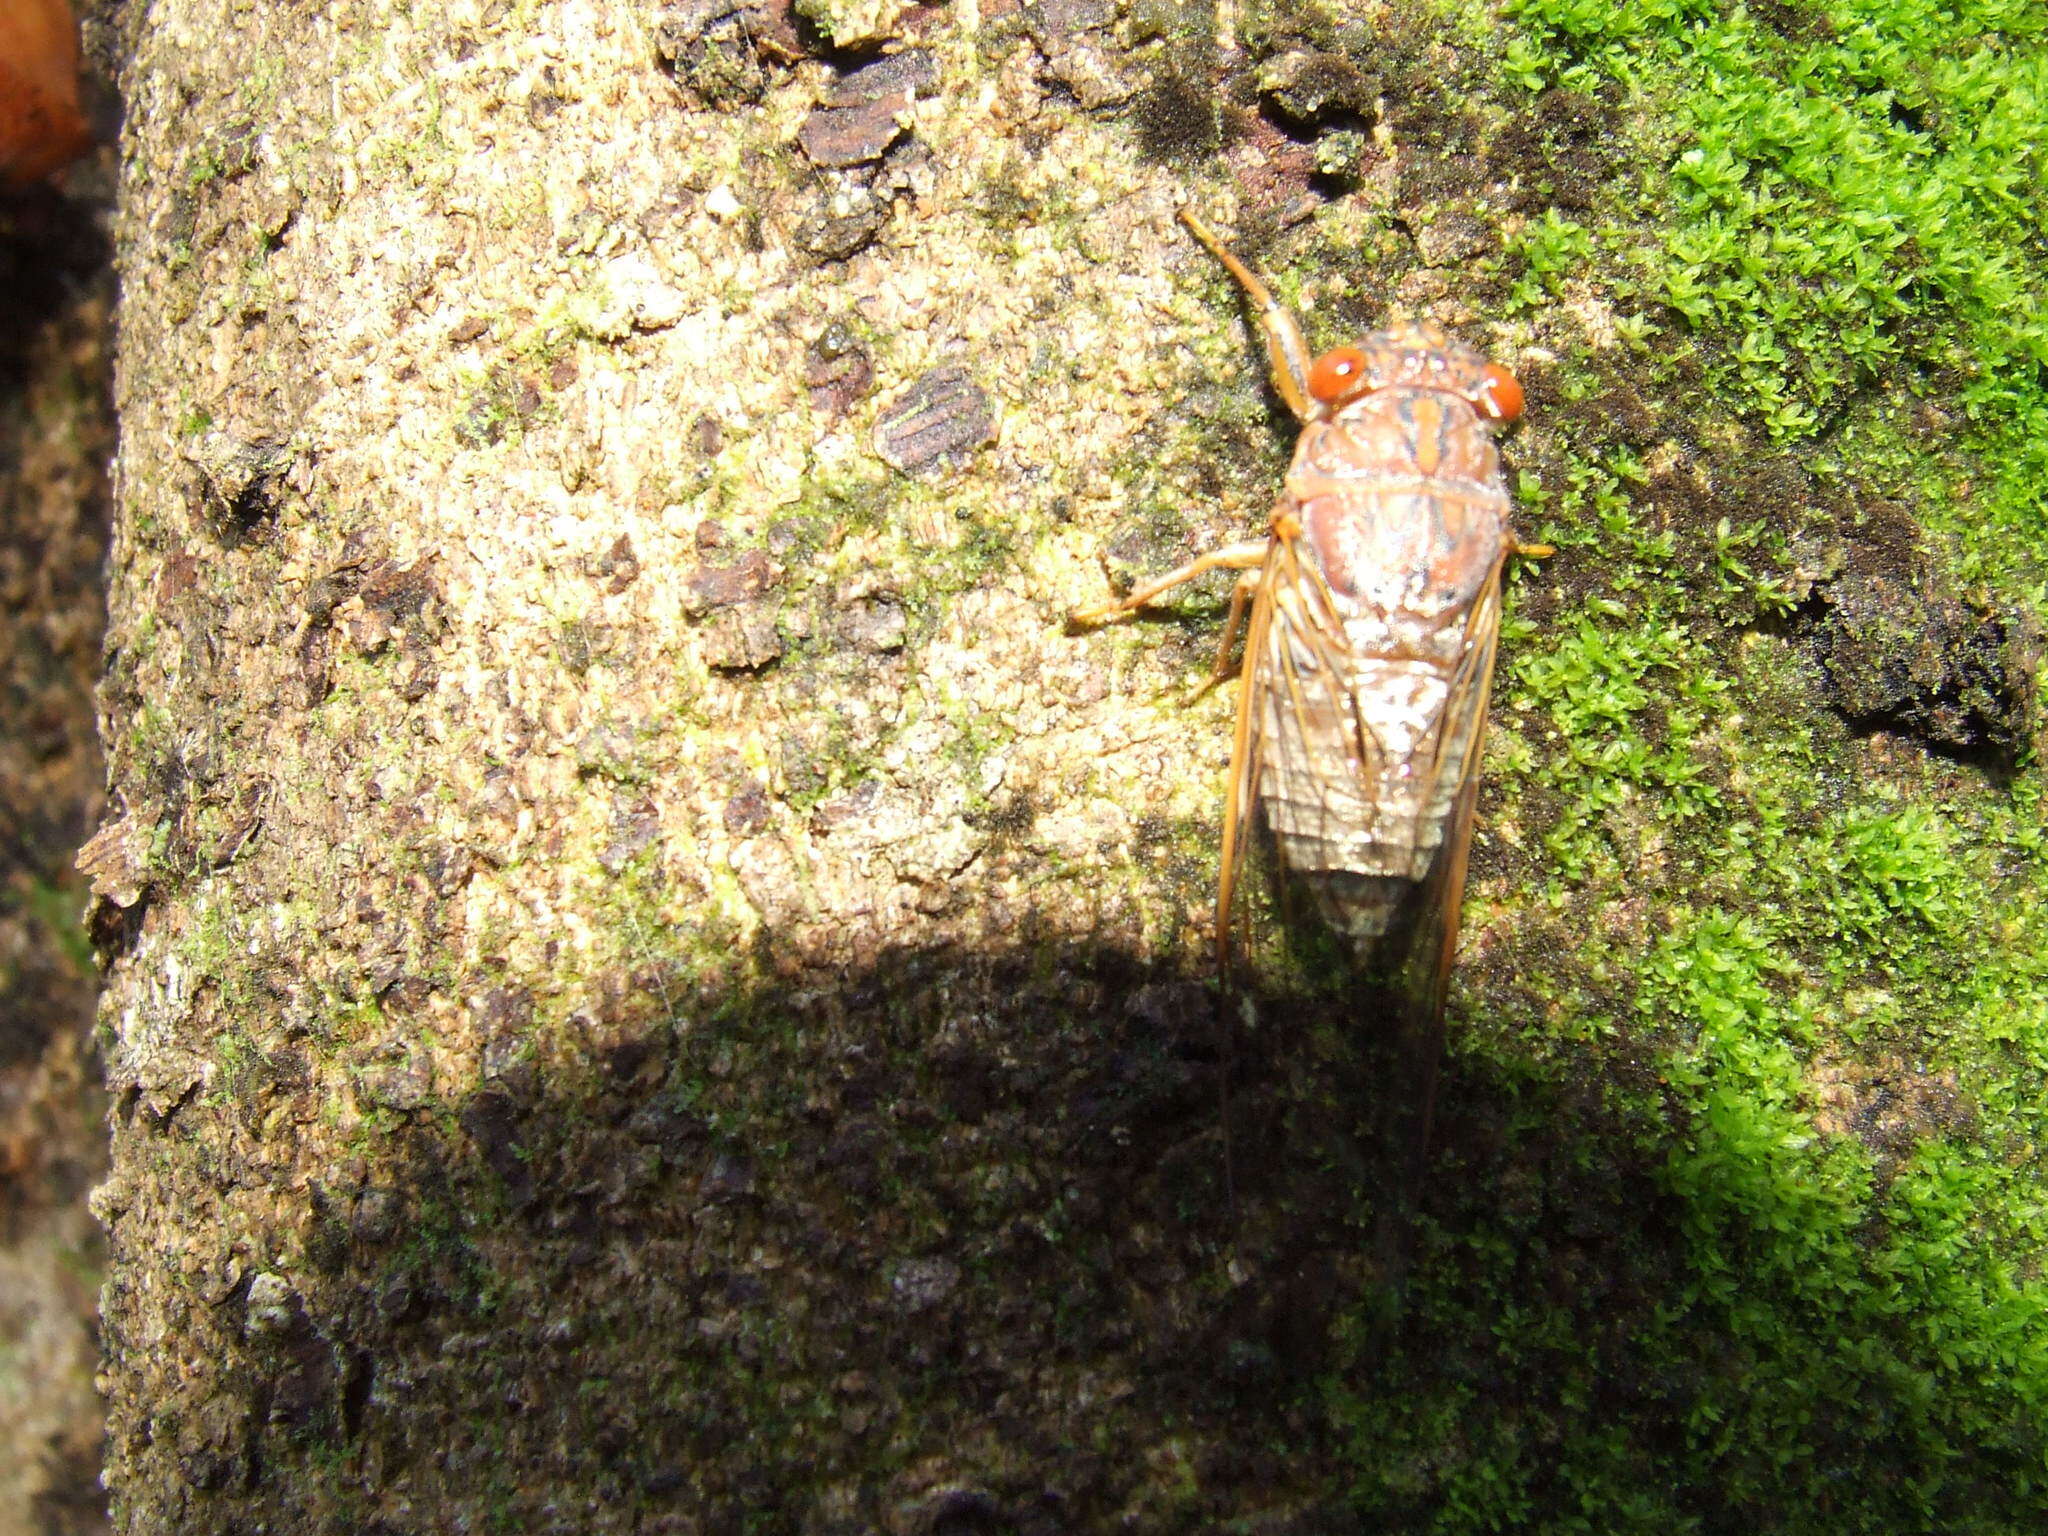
937 423
1075 38
723 586
861 114
618 567
116 858
717 49
401 592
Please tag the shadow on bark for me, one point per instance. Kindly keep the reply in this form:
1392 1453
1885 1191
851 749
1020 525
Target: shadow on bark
947 1247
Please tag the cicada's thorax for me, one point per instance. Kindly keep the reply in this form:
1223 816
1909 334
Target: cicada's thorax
1403 525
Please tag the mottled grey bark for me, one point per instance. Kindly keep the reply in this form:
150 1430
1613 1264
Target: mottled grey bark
651 985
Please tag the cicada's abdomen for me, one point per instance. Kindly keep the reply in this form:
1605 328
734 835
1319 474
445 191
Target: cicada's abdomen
1361 828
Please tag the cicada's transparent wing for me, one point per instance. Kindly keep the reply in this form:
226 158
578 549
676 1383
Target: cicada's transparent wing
1425 943
1428 939
1241 800
1294 652
1458 739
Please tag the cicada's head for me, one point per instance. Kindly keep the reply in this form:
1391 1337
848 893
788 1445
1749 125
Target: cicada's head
1415 356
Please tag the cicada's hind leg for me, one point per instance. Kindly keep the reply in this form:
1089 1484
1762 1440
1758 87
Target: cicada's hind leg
1286 351
1242 597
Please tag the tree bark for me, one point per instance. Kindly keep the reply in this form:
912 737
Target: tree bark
651 985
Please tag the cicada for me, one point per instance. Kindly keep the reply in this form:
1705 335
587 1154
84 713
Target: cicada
1370 614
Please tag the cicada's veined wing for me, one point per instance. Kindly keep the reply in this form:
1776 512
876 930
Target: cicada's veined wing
1294 651
1425 942
1458 741
1241 799
1350 791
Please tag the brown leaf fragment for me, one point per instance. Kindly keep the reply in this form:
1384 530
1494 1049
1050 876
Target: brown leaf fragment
723 586
861 114
937 423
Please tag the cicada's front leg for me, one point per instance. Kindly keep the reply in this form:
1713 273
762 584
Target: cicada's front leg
1286 351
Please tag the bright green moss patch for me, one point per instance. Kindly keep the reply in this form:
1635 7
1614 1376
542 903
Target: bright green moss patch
1846 199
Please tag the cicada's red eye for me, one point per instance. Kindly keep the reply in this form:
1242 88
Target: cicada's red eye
1337 375
1500 395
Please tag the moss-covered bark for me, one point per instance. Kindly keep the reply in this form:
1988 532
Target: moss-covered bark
653 987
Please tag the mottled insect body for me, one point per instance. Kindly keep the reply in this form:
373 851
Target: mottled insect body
1371 684
1370 614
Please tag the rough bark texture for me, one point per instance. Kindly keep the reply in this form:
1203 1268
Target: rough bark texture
652 987
56 434
616 1010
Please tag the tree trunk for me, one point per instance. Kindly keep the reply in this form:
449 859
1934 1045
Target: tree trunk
650 979
653 987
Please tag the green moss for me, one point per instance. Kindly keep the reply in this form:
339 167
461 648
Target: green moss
1839 202
1735 1213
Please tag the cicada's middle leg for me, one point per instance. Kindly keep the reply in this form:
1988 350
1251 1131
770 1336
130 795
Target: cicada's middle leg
1247 557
